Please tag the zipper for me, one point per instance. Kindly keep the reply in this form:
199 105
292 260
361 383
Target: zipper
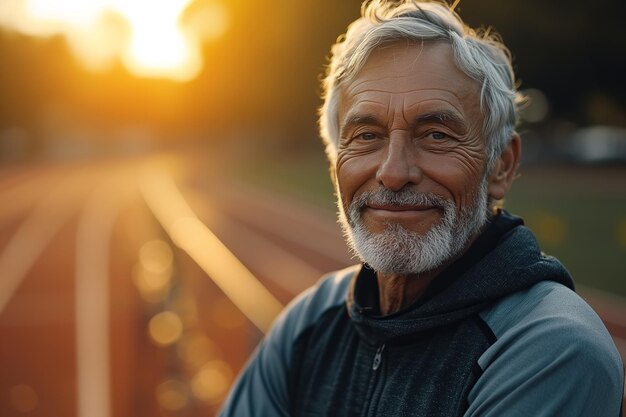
378 357
375 381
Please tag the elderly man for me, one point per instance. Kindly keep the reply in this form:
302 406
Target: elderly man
454 311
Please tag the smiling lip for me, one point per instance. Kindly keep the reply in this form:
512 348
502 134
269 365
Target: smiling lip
384 207
399 212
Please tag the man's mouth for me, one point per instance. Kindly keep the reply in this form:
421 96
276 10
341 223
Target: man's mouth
400 207
399 211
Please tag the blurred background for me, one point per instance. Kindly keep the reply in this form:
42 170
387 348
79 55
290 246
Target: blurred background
163 190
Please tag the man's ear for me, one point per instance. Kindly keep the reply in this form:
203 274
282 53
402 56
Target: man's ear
503 172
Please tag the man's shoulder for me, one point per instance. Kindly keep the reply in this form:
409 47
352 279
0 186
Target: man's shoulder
547 340
548 317
333 287
547 301
329 293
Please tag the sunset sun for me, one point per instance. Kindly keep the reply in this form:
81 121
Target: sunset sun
148 37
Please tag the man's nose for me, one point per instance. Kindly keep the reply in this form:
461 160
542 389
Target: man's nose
399 166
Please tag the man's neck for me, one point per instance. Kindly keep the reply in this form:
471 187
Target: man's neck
398 291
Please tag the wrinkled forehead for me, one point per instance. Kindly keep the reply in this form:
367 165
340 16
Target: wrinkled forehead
425 62
415 73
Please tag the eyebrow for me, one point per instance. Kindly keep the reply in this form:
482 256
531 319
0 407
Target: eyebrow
444 117
358 120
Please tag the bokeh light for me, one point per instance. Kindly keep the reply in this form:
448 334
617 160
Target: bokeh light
153 287
172 395
195 349
211 383
156 256
153 273
165 328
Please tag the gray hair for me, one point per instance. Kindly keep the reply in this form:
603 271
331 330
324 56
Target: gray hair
482 56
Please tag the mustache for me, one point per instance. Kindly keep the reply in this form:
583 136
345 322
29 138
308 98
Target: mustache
384 196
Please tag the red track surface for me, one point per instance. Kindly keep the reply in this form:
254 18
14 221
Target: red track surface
55 240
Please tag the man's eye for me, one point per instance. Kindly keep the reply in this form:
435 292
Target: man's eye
367 136
439 135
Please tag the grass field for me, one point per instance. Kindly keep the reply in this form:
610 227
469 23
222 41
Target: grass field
577 213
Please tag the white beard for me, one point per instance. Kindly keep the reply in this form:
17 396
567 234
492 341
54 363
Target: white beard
397 250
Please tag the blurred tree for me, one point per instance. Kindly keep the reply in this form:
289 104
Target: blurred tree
262 77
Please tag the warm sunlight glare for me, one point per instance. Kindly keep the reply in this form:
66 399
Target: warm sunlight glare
158 46
149 37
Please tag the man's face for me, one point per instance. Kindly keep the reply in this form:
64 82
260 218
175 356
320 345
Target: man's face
410 168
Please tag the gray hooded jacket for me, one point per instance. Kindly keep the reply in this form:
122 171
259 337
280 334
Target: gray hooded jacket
499 333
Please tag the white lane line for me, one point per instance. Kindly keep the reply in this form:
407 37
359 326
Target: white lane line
272 261
318 230
34 235
93 241
185 229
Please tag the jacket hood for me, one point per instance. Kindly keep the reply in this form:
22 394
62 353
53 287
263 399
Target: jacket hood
512 262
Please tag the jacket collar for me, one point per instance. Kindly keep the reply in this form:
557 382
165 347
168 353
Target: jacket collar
504 259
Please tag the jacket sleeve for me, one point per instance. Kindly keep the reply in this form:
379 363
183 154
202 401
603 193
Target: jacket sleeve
262 389
552 357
